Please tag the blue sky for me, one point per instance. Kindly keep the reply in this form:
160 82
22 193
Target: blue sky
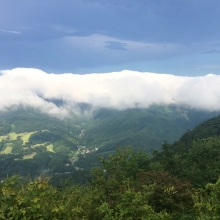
85 36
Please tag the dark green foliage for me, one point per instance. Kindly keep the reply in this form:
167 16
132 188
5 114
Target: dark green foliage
196 156
109 129
58 163
10 166
209 128
178 182
148 127
5 127
62 134
207 202
114 185
43 136
64 146
81 177
140 128
29 119
169 193
43 158
111 194
2 144
123 188
202 162
37 200
87 162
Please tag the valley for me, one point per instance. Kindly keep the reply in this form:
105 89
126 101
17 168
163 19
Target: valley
55 161
32 142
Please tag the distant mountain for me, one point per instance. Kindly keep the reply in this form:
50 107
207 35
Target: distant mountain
33 143
140 128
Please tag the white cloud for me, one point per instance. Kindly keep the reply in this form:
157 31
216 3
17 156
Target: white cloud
98 42
11 32
120 90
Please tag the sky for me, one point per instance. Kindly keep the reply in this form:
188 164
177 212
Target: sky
175 37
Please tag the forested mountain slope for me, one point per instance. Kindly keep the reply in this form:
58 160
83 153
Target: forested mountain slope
209 128
181 181
196 156
140 128
33 143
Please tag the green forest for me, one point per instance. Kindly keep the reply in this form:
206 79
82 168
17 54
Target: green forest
127 185
178 181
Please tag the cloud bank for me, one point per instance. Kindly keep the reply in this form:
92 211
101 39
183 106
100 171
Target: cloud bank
119 90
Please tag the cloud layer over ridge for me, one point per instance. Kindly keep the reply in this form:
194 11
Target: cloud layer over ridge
119 90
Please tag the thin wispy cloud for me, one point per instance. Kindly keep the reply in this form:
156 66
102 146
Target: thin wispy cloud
118 90
11 32
114 50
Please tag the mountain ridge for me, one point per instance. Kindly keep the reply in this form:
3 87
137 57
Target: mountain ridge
31 141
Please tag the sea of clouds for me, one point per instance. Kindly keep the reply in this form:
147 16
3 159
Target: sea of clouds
120 90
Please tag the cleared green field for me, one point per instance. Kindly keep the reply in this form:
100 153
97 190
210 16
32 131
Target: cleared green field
50 148
29 156
7 150
3 137
25 136
10 136
13 135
